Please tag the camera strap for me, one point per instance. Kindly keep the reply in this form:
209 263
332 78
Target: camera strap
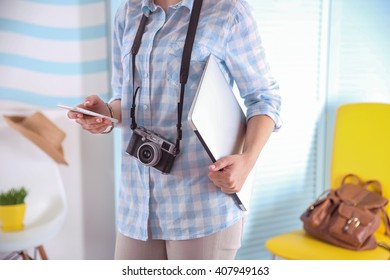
184 69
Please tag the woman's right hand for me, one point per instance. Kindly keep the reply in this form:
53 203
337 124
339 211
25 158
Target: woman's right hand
92 124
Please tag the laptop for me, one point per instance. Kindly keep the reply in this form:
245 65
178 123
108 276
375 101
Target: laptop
219 121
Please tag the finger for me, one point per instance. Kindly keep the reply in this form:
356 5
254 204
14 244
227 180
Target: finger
217 179
97 130
220 164
225 181
91 101
90 122
107 121
103 121
72 115
231 189
226 188
94 128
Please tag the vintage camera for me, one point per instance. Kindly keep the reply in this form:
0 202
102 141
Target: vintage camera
151 149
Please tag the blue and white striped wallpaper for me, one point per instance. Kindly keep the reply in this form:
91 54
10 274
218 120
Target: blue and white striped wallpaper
53 51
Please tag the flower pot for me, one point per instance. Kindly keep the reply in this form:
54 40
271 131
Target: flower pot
12 217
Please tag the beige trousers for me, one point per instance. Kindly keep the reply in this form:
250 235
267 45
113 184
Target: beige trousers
222 245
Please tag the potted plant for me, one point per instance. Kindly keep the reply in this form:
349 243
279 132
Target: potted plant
12 209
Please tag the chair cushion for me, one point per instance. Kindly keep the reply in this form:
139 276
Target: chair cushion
298 245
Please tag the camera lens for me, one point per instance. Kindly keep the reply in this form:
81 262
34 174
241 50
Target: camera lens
149 153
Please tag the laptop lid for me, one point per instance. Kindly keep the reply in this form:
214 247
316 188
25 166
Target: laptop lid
218 121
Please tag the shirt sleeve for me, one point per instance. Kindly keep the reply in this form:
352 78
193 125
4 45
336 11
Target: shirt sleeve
246 60
117 69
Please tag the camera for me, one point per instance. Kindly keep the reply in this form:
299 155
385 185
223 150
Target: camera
151 149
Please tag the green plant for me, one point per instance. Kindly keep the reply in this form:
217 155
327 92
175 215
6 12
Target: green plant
13 196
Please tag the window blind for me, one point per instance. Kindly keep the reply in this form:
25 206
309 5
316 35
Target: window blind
289 167
359 56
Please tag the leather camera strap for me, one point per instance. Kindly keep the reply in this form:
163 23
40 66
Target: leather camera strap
184 69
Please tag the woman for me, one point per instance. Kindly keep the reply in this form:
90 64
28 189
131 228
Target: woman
187 213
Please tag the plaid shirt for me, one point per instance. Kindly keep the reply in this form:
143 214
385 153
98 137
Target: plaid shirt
183 204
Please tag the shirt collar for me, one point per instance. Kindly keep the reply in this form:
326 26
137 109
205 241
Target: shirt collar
148 6
188 4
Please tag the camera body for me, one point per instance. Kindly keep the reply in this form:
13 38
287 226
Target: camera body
151 149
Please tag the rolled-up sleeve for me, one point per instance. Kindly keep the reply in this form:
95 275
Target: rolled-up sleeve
246 60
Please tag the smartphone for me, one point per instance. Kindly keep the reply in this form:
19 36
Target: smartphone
86 112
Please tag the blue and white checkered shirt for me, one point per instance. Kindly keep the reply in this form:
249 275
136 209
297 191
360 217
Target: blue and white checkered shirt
183 204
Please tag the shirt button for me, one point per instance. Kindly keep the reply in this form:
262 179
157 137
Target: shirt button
146 75
146 107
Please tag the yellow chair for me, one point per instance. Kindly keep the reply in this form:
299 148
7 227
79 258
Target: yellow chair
361 145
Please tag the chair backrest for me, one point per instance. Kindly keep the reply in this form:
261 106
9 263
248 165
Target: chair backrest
22 163
361 144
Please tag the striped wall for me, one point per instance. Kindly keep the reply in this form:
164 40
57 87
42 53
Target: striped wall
53 51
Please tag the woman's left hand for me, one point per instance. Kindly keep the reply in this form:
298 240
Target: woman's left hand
229 173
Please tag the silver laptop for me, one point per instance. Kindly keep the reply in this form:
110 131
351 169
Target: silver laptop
219 122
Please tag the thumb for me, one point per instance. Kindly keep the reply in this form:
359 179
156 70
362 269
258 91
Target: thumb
91 101
219 164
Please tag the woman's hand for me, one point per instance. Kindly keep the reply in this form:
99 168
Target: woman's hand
229 173
89 123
